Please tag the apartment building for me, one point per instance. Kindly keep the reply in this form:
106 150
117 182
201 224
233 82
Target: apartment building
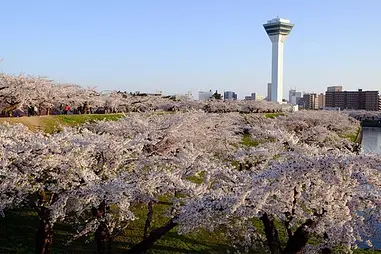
365 100
309 101
321 101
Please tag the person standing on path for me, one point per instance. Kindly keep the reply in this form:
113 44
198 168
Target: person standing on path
35 110
67 109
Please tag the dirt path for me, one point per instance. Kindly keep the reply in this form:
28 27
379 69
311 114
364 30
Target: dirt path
34 123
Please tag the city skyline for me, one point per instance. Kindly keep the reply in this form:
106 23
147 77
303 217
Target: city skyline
178 47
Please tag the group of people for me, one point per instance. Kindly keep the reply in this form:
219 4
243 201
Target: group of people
32 110
65 110
80 110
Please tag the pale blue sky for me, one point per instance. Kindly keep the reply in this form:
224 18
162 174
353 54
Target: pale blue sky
181 45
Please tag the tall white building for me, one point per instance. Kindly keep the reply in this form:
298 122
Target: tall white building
205 95
277 29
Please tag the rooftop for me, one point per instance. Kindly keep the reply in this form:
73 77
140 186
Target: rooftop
277 19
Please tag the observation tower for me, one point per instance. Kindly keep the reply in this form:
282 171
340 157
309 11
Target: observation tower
277 29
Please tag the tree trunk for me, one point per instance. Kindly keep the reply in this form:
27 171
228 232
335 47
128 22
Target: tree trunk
85 108
299 239
44 237
102 234
6 111
271 235
148 220
155 235
103 239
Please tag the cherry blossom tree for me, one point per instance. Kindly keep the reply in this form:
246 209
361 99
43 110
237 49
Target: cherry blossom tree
332 197
20 91
295 170
80 167
56 166
14 186
277 142
364 115
169 142
114 102
78 97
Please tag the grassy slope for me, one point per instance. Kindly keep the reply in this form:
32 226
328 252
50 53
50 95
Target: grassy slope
50 124
17 229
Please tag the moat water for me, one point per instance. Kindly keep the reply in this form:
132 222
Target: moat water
371 143
371 140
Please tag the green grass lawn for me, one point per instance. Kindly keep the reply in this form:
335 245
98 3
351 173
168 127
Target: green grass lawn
18 229
353 136
273 115
54 123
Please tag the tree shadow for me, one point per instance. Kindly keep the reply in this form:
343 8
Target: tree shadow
18 231
172 242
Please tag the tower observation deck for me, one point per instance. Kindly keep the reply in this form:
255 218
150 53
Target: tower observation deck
277 29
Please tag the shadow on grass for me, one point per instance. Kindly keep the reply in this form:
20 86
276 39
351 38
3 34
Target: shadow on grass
18 234
175 243
18 231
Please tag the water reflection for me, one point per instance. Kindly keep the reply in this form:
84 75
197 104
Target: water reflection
371 143
371 140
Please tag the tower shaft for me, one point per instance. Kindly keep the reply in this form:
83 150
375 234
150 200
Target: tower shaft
277 68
